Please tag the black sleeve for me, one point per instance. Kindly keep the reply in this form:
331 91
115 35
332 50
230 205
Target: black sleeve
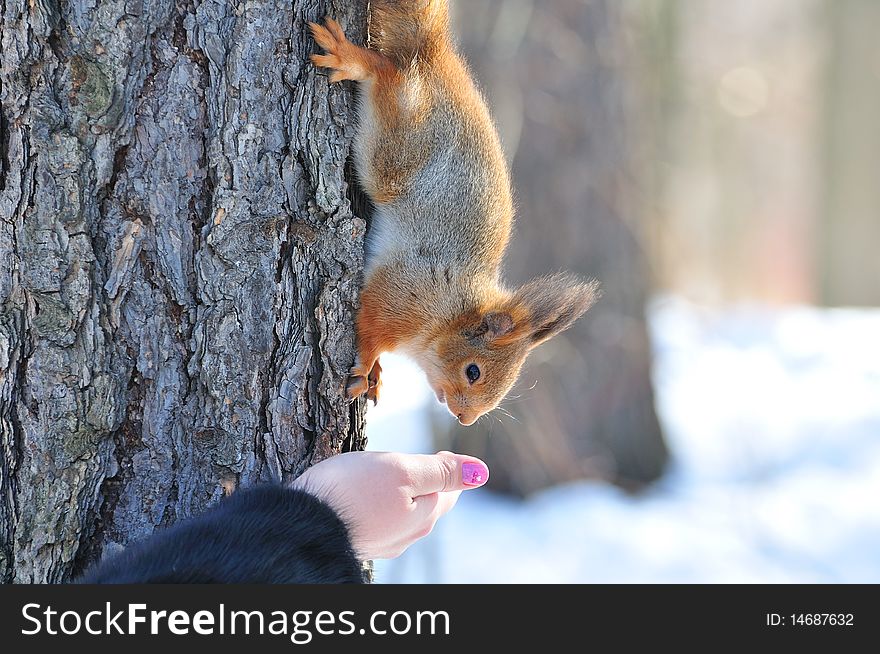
268 534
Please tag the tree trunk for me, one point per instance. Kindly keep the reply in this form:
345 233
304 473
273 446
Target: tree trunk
179 265
555 74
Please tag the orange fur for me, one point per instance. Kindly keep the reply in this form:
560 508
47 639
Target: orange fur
427 153
380 328
410 32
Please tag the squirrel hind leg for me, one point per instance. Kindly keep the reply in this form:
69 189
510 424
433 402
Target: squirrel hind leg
347 60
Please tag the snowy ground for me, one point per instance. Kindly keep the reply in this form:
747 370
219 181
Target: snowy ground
773 418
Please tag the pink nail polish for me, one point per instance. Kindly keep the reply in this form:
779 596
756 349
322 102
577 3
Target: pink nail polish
474 474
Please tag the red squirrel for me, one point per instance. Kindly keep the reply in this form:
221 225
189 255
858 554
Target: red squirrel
428 155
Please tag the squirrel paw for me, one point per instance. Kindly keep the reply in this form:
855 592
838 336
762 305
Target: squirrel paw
360 382
375 383
357 385
347 60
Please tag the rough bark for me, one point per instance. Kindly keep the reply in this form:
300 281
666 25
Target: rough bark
179 265
556 75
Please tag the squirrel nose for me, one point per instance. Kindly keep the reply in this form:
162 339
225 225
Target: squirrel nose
467 420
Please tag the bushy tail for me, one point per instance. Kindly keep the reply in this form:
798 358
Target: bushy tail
409 32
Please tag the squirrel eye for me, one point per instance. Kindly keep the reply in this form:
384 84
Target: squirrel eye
472 372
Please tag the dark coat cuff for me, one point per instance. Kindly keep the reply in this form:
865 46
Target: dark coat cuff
268 534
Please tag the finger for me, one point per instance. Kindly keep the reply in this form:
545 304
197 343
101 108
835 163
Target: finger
444 472
434 506
447 501
426 507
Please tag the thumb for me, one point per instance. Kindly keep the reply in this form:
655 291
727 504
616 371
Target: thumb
446 471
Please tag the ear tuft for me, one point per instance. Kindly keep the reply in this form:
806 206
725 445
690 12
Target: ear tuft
554 302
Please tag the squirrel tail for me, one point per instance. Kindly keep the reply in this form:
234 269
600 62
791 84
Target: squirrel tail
409 32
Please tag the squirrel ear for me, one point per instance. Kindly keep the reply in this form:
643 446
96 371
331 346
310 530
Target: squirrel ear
554 302
492 325
497 323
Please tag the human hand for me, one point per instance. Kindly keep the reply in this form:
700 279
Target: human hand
390 500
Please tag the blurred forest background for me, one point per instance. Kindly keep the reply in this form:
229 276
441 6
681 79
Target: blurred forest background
722 152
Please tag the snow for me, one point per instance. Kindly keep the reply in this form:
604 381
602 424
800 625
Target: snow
773 419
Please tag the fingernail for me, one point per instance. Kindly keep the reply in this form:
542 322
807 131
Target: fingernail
474 474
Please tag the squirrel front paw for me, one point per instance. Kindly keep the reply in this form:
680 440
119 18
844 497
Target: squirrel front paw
361 382
356 386
374 382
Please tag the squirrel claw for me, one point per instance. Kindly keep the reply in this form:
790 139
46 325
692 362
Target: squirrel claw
374 383
373 395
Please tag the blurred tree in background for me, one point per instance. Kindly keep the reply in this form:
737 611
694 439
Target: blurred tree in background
734 167
555 74
764 148
850 232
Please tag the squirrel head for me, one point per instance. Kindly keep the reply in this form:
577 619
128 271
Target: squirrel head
473 365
